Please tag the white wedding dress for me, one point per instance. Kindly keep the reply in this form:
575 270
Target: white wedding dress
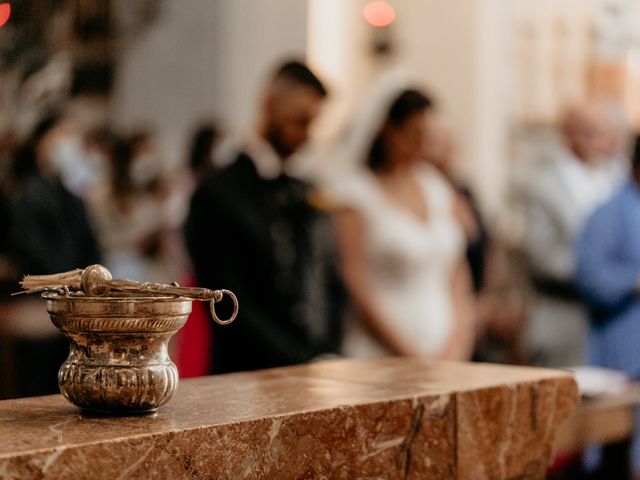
410 263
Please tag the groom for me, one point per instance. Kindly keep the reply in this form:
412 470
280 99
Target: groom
251 229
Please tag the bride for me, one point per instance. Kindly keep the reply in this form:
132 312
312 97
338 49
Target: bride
401 237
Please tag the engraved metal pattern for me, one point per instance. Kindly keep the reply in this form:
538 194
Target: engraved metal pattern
118 359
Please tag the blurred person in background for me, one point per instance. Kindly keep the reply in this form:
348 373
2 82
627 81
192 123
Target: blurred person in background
9 143
8 270
49 225
194 339
199 163
146 164
401 237
253 230
203 144
440 151
49 232
127 209
608 274
562 195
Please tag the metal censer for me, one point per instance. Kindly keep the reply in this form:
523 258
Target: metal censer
118 331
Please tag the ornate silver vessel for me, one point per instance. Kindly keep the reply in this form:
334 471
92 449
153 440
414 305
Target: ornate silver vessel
118 359
119 333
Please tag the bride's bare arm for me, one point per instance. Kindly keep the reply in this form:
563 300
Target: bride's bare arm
350 230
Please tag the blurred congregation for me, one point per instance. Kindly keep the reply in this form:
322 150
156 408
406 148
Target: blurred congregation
446 180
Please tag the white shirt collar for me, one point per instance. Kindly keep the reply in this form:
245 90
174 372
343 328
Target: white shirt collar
267 162
588 184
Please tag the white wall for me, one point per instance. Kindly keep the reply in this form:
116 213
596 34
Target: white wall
202 59
337 50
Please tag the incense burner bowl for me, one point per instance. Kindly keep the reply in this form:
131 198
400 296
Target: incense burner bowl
118 359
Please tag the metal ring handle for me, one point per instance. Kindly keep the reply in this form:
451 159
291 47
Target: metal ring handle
212 307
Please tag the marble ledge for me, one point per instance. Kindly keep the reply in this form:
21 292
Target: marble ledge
338 419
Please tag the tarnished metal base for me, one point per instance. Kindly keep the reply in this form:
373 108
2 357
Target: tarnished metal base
118 360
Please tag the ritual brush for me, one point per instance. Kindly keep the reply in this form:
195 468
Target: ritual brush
97 281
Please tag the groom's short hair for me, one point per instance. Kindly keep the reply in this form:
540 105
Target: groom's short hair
297 73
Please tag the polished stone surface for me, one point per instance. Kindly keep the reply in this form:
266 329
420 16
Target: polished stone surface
345 419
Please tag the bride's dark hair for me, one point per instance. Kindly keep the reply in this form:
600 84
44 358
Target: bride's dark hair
406 105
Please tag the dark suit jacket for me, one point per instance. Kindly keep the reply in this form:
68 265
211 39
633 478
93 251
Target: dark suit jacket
264 241
50 231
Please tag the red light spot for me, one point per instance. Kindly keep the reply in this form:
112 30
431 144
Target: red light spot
5 13
379 14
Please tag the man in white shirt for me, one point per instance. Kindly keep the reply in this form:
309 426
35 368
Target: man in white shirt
562 194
